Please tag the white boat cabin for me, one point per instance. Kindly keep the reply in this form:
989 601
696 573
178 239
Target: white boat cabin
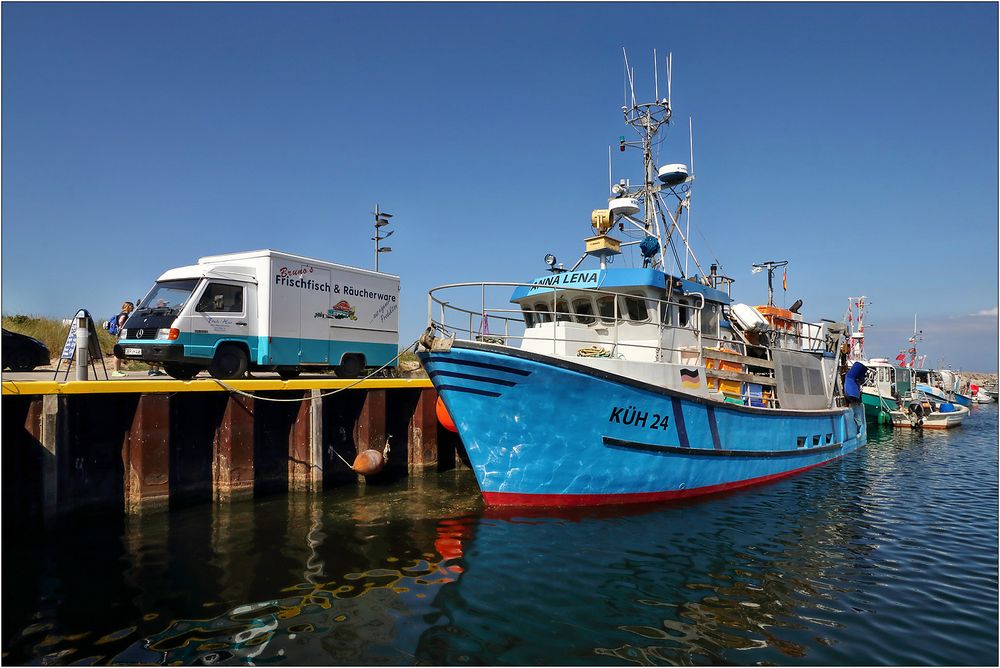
647 325
887 380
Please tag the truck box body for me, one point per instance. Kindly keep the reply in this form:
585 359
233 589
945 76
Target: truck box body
284 310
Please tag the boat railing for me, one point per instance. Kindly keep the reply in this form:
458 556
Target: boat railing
461 320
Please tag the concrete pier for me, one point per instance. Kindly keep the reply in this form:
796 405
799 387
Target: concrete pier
147 446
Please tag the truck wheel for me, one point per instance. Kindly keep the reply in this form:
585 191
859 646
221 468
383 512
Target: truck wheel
229 362
181 371
350 367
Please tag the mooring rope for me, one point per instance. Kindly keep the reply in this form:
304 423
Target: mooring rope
594 351
230 388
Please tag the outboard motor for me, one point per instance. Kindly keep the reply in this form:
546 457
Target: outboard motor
853 380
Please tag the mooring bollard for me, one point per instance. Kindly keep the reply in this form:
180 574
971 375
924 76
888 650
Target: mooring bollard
82 347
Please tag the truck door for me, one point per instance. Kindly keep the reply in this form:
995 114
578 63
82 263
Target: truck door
315 346
224 311
300 303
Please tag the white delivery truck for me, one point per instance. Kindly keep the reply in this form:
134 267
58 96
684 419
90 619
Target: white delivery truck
265 310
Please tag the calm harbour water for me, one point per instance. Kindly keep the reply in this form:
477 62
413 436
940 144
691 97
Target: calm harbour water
888 556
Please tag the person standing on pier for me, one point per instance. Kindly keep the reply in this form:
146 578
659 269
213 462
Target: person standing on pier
122 316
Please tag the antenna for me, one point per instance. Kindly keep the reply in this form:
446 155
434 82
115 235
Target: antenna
670 74
691 140
625 85
656 78
631 81
687 235
687 232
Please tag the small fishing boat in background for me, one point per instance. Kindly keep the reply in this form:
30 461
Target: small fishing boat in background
989 389
921 412
610 385
983 396
884 387
885 384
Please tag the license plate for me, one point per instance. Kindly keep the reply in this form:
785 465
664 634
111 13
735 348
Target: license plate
134 352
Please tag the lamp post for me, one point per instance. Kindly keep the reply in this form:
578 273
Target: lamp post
381 220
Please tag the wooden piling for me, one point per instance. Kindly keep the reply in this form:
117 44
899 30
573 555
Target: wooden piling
49 433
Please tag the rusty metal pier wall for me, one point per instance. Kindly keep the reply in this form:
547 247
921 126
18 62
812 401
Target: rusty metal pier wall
146 446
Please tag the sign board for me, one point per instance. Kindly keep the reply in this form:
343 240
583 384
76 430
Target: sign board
69 349
93 345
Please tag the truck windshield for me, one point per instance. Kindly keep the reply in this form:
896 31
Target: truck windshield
168 296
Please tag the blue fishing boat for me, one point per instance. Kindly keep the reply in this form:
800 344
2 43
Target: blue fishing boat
607 385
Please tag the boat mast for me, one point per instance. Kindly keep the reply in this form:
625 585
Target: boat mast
857 335
646 118
770 265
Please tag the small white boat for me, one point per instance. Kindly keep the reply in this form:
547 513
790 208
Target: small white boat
982 397
925 414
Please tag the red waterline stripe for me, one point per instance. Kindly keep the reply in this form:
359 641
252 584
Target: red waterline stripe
565 500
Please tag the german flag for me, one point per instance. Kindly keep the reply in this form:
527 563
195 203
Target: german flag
689 378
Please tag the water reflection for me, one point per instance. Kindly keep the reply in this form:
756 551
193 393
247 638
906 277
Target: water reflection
362 582
887 556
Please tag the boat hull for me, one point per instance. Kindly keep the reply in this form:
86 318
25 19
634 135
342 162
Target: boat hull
932 392
547 431
877 408
933 420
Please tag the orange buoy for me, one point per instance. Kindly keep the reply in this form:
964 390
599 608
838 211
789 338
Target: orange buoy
368 462
444 418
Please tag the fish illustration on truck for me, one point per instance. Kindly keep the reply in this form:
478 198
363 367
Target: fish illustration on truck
340 311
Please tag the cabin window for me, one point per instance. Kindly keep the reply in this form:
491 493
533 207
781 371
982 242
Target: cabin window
666 314
636 309
584 309
710 321
606 308
529 317
541 313
683 313
816 439
798 382
562 311
221 298
815 382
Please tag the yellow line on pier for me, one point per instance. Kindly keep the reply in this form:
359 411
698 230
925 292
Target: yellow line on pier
28 387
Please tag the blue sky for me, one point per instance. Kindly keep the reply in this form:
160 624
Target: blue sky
858 141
